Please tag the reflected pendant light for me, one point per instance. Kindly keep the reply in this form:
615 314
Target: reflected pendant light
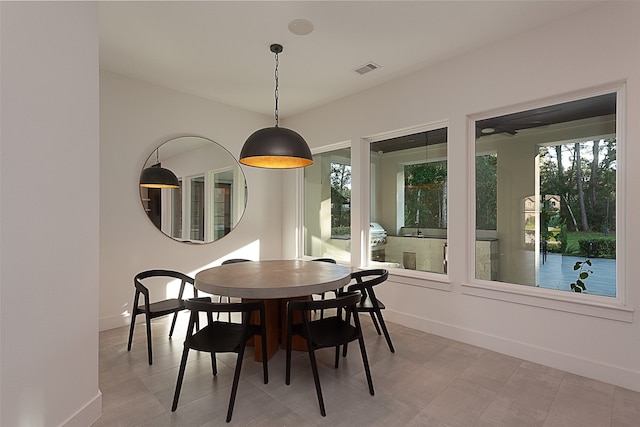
276 147
158 177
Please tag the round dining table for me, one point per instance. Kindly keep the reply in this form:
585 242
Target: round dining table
275 282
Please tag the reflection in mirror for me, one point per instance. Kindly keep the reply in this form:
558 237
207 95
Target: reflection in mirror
212 194
546 196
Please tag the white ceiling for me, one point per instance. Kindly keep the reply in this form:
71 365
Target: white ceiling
220 49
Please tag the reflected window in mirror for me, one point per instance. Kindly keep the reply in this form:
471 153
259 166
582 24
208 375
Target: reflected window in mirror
196 209
212 194
546 196
222 199
176 212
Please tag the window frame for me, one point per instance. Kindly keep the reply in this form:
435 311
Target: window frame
301 201
592 305
425 279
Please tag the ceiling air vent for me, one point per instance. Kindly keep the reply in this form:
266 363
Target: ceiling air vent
366 68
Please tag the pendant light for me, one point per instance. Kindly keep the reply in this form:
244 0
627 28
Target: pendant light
276 147
158 177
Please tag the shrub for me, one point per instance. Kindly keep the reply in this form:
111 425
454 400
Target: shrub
341 231
599 247
562 236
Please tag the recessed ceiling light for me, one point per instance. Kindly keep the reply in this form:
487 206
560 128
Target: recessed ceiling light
300 27
488 130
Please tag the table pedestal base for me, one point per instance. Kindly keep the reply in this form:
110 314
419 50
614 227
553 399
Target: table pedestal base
276 327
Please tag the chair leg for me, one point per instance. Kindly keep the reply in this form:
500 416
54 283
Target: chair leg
316 379
365 361
344 347
386 332
375 322
236 380
287 379
219 302
265 368
173 324
149 347
134 314
214 365
337 361
322 296
183 365
133 324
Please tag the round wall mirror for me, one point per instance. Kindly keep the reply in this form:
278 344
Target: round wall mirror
211 196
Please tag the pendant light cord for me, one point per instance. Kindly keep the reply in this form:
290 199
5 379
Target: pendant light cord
276 90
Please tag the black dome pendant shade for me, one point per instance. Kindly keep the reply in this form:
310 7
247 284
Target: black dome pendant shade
276 147
158 177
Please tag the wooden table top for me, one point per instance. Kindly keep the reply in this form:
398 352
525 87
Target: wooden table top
272 279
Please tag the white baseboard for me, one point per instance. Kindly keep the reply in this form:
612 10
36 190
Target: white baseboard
112 322
87 415
566 362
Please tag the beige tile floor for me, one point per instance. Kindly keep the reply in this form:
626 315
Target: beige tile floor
429 381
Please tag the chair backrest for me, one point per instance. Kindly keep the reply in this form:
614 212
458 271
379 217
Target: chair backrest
366 280
331 260
201 306
234 260
184 279
346 300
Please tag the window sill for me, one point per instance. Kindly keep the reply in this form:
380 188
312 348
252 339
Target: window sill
420 279
588 305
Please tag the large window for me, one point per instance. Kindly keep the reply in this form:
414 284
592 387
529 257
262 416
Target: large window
546 197
327 206
408 227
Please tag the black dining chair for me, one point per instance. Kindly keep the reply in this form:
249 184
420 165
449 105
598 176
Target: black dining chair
331 331
222 337
152 310
234 260
366 280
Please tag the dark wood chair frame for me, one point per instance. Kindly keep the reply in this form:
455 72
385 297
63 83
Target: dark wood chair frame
222 337
369 303
332 331
153 310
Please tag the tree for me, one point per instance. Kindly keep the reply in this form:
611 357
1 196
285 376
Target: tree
593 180
340 195
486 192
579 185
425 195
595 208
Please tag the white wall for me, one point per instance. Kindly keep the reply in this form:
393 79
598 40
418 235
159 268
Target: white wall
594 48
49 214
136 117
